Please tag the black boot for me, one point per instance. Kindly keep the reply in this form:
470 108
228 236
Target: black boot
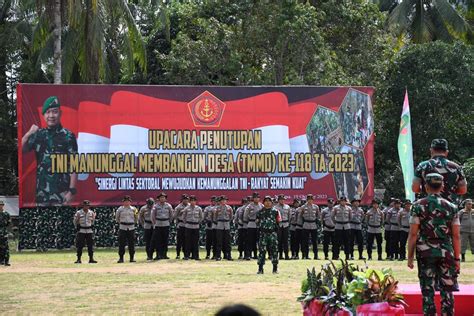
286 256
91 260
132 258
260 269
120 260
7 264
78 261
463 257
281 256
275 269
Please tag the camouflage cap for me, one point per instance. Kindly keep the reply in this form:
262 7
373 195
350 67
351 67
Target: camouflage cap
439 143
267 197
51 102
433 178
466 201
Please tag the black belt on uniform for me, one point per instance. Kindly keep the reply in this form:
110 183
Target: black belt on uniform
267 230
313 221
180 221
406 226
343 223
374 226
165 219
85 227
193 223
328 226
284 221
245 222
123 223
251 220
223 220
149 222
357 223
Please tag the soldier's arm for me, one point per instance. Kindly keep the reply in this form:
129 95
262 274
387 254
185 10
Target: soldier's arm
456 236
246 213
417 182
76 219
171 211
26 143
117 215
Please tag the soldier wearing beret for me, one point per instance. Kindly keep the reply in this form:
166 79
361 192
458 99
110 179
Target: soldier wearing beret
284 226
144 219
268 219
83 220
374 219
161 216
51 188
4 249
223 214
180 231
250 216
434 232
126 217
467 228
210 233
192 217
454 180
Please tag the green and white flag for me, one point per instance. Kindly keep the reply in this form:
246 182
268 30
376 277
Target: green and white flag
405 149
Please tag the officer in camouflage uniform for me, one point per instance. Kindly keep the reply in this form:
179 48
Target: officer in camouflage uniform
57 188
467 228
268 219
284 226
126 216
144 219
210 232
250 216
178 216
83 220
328 228
4 249
454 180
434 232
374 219
161 216
310 215
404 224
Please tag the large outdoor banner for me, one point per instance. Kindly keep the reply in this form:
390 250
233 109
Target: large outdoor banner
100 142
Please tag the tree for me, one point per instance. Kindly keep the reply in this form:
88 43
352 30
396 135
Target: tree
438 77
425 20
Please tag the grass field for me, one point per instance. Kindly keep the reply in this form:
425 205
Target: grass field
49 283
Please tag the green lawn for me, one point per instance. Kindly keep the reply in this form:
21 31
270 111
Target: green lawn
49 283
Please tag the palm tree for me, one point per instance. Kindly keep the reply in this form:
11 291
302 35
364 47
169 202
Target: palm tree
87 27
425 20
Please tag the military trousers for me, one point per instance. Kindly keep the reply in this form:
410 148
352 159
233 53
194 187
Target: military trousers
126 237
370 243
191 249
81 240
267 242
342 237
180 240
148 238
328 238
437 274
467 238
356 237
297 242
160 240
241 240
402 244
251 242
223 243
387 242
4 250
283 240
305 236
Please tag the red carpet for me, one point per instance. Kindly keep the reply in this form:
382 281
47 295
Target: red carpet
463 300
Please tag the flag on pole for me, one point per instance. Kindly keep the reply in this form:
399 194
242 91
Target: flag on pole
405 149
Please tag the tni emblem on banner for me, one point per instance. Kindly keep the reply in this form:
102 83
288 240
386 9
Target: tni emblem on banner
206 110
